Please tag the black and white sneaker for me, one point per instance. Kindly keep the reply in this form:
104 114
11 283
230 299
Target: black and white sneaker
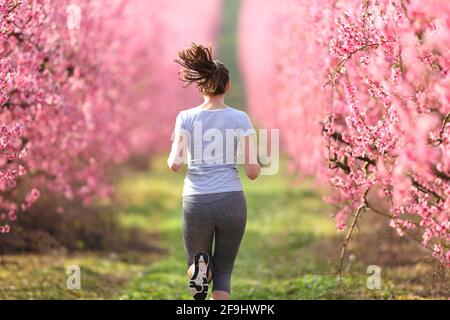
198 285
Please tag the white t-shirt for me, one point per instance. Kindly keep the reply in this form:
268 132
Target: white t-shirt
213 138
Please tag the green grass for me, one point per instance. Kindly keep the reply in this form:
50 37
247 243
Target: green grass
280 256
289 251
43 276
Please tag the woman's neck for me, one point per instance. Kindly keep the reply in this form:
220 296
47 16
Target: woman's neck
213 102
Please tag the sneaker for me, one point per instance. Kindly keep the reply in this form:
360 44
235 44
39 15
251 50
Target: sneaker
198 285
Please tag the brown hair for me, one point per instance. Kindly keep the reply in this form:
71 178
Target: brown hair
211 76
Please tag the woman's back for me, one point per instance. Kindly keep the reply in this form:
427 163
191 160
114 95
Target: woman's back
213 137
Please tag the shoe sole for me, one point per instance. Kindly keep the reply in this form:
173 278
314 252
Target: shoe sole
198 285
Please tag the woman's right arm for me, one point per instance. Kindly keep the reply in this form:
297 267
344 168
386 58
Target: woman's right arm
177 156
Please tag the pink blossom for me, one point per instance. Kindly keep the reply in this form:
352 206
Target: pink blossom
361 95
75 102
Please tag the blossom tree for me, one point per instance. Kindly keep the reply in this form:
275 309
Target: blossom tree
363 101
80 91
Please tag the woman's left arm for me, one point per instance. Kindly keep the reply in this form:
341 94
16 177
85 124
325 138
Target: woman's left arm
251 165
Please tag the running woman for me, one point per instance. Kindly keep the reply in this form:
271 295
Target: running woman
214 206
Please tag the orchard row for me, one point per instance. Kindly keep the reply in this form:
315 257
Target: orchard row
361 93
84 86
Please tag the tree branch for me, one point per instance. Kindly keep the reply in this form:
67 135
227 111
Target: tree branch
344 61
348 236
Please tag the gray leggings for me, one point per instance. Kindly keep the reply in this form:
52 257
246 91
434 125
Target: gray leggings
218 216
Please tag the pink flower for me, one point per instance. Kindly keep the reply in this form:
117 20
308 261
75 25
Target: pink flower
373 84
341 218
72 100
30 198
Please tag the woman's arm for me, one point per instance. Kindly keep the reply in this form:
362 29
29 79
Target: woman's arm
177 153
252 168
